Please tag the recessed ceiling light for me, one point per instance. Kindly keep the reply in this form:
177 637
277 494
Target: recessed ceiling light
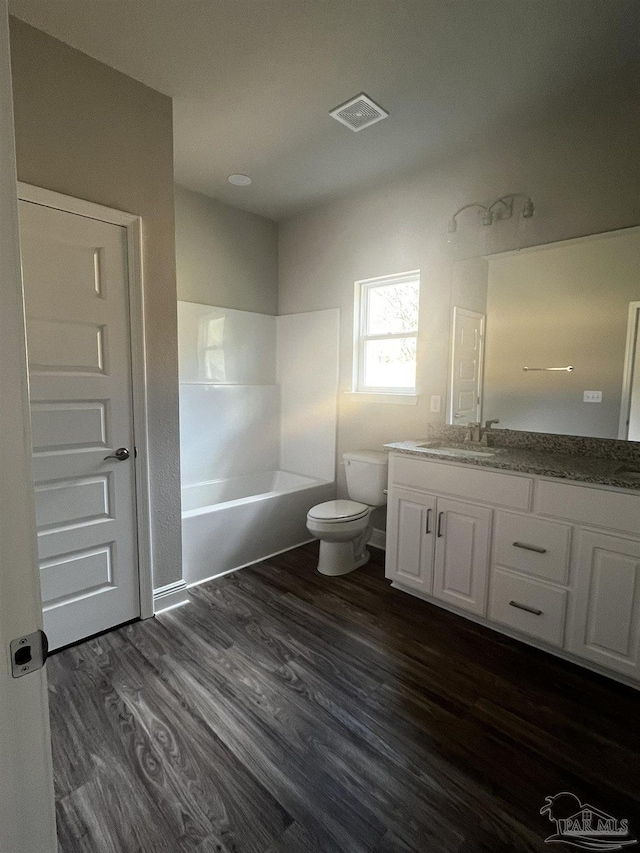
239 180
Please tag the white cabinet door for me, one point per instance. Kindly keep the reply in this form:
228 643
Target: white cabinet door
462 554
411 524
606 618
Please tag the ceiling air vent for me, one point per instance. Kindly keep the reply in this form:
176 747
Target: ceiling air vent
359 112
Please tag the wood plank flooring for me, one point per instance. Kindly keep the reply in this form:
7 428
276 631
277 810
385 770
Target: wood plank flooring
285 712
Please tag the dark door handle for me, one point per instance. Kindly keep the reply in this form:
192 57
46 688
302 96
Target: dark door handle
427 529
440 514
120 454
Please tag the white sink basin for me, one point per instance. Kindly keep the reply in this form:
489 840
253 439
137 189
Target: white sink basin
457 451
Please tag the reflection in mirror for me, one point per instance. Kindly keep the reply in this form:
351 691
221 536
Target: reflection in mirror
570 304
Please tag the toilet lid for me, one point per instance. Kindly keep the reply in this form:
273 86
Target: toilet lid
338 511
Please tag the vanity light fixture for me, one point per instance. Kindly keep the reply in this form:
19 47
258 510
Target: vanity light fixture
490 214
486 218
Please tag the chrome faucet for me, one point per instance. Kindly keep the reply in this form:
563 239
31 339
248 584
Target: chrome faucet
487 437
476 434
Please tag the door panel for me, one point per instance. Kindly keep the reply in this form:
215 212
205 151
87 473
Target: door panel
409 555
76 298
606 624
465 401
462 554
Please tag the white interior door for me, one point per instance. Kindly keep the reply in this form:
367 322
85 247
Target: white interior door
76 298
27 816
465 399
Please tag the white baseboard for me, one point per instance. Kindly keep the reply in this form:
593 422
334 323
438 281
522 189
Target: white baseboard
170 596
378 539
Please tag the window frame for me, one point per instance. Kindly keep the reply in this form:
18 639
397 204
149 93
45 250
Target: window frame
360 338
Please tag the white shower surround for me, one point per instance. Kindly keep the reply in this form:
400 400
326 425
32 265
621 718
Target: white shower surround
257 394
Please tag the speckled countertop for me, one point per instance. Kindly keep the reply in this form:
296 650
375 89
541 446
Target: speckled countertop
543 455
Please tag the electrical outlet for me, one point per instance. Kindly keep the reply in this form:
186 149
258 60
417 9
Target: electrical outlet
436 402
592 397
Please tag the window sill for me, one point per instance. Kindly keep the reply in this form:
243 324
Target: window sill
389 399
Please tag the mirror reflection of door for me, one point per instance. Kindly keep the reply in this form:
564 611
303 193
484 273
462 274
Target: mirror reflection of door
465 401
630 410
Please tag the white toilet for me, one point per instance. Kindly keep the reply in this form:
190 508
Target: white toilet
344 527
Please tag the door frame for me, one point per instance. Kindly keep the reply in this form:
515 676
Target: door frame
27 803
633 331
466 312
137 338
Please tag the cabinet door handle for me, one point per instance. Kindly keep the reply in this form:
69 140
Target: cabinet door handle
526 547
427 529
440 514
527 607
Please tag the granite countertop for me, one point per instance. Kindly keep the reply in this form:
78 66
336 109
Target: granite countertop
585 468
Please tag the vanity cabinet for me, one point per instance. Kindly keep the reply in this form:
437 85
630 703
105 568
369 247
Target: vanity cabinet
439 546
553 563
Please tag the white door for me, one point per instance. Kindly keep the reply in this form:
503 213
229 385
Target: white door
27 816
605 627
411 525
462 554
76 298
630 408
465 398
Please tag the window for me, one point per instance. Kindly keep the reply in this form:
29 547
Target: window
386 334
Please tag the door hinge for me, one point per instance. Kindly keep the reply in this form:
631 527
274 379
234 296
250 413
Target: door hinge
28 653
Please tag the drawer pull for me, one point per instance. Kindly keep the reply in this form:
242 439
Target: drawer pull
440 514
427 529
526 547
527 607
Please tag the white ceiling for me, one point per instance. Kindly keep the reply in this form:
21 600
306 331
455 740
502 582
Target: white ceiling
253 80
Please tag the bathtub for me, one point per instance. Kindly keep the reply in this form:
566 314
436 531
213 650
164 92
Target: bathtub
228 524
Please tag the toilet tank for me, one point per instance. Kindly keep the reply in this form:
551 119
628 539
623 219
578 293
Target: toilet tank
366 472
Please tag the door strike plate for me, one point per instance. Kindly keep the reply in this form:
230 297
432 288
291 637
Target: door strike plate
28 653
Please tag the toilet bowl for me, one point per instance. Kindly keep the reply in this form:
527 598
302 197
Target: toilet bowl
344 526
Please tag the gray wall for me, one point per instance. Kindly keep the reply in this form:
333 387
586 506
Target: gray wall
87 131
225 256
582 170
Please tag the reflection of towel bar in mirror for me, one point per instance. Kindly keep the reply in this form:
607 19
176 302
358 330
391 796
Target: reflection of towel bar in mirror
566 369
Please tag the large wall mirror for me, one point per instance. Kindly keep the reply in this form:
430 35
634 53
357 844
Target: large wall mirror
546 339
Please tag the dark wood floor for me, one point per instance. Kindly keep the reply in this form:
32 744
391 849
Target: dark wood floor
285 712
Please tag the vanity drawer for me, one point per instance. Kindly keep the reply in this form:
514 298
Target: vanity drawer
528 606
464 481
532 545
590 506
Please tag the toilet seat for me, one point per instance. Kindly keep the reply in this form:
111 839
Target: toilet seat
338 512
